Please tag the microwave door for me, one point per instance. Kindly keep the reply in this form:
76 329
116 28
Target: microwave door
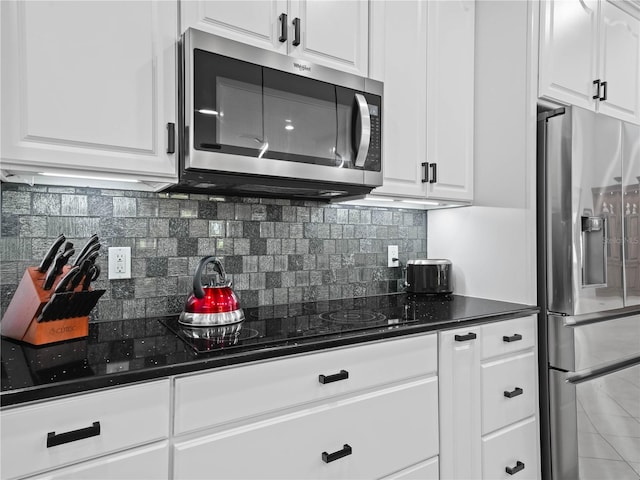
300 122
227 105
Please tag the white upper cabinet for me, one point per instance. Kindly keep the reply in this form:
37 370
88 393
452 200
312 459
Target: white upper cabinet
428 115
450 97
255 22
620 62
330 33
590 55
405 94
88 89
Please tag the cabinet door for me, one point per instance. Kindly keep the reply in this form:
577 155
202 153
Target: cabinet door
334 33
459 376
89 87
568 47
512 449
620 62
150 462
256 22
404 77
369 436
450 87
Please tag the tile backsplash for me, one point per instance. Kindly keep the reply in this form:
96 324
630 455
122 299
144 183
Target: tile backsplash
275 251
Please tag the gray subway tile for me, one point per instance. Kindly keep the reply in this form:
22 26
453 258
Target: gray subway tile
45 204
18 203
74 205
124 207
157 267
148 207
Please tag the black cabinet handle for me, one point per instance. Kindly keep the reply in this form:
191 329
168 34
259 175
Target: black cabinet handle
330 457
513 338
171 138
517 391
604 89
434 172
464 338
296 30
519 466
425 174
68 437
597 95
283 27
343 375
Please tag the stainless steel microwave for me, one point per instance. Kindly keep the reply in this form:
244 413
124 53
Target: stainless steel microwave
255 122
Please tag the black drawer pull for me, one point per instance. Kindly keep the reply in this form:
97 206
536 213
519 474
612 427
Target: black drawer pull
517 391
171 137
296 32
512 338
283 27
464 338
519 466
425 173
597 95
330 457
343 375
68 437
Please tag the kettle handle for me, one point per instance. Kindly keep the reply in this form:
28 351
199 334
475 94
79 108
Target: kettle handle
198 289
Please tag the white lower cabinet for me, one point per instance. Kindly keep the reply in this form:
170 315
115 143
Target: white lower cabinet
511 452
59 433
144 463
375 416
367 436
488 401
428 470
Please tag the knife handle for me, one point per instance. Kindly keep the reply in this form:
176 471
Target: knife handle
51 253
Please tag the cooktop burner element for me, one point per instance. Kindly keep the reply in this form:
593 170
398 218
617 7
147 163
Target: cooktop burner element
289 323
353 316
208 339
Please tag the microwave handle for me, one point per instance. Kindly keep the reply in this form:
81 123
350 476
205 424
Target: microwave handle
365 130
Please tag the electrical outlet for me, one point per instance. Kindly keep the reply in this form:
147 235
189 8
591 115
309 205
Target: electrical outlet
392 256
119 262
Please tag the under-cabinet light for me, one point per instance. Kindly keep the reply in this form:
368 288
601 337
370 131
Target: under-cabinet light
421 202
87 177
206 111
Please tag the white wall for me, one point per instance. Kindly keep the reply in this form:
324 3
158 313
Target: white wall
492 244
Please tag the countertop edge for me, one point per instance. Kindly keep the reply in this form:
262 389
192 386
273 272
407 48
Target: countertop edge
11 398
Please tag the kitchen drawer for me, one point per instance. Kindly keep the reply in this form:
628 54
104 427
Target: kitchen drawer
508 448
494 342
127 416
513 375
423 471
251 390
150 462
386 430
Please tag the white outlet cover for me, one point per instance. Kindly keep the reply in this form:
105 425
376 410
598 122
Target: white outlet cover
119 262
392 252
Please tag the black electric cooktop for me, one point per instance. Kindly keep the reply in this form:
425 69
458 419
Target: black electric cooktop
266 326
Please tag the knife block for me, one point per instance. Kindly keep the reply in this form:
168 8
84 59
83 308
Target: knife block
22 319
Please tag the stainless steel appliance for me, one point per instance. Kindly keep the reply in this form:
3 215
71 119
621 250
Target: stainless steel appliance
430 276
589 294
255 122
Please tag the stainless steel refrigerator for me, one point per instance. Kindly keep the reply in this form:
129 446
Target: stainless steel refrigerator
589 294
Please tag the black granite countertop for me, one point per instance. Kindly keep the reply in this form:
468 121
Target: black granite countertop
127 351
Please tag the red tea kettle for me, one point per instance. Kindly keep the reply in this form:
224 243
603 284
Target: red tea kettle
214 304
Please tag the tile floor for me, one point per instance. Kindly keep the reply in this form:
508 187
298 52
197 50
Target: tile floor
609 426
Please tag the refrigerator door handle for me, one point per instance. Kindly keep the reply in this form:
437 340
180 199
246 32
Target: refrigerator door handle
601 371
